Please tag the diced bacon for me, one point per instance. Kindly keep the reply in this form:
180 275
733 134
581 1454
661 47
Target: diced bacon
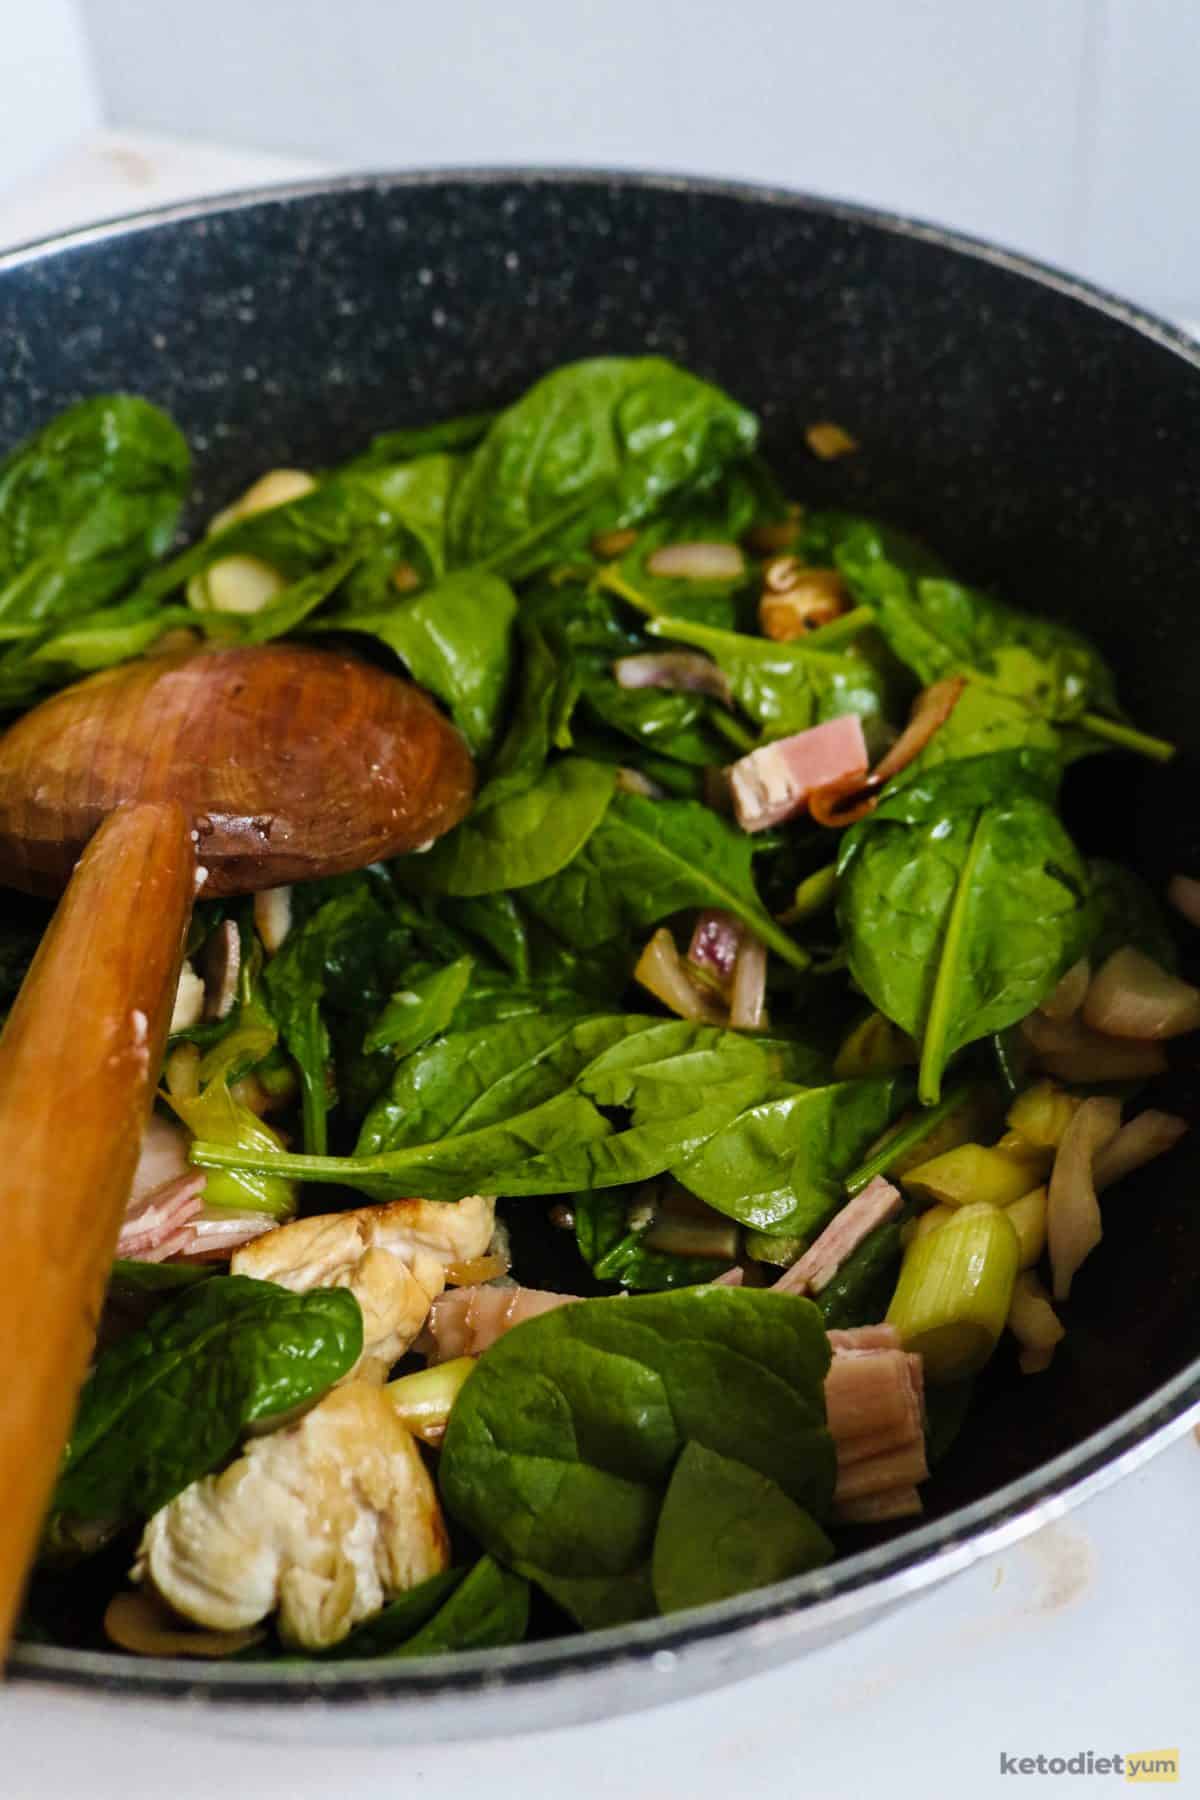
773 783
865 1337
878 1202
902 1467
870 1392
466 1321
156 1224
875 1509
216 1232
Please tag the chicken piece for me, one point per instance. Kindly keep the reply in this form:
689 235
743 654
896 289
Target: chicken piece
325 1520
392 1258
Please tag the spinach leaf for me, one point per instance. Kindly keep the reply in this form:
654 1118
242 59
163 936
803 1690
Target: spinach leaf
725 1529
781 1165
404 442
539 719
1126 911
522 839
387 1632
614 1251
456 640
675 725
135 1282
489 1609
961 902
85 505
783 687
170 1402
561 1444
606 442
382 515
527 1108
650 858
422 1011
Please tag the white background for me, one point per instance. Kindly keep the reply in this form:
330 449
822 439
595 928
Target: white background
1067 127
1062 126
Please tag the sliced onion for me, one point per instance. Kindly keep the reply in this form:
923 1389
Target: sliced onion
717 939
1151 1134
731 1278
1068 996
632 781
1067 1050
606 544
1132 996
662 972
843 803
698 562
679 671
1034 1322
215 1233
1183 891
748 1005
1073 1227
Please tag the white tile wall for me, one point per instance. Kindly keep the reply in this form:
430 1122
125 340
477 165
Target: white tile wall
1067 127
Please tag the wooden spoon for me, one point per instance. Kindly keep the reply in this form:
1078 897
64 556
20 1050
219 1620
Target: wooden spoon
138 789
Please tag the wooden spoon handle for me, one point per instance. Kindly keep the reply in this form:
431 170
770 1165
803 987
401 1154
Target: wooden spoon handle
79 1058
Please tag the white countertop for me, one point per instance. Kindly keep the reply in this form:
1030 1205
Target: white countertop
1081 1638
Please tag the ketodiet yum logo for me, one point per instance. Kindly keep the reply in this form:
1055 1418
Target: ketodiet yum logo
1126 1765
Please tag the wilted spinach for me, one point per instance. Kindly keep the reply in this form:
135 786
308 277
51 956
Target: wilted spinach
562 1444
961 901
171 1401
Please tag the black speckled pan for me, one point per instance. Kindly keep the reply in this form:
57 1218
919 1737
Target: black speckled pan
1045 437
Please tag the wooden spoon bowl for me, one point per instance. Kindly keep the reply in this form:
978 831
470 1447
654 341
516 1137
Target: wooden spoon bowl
289 763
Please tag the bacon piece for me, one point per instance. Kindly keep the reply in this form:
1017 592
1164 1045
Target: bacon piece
902 1467
773 783
156 1225
878 1202
870 1392
874 1509
865 1337
466 1321
163 1156
216 1232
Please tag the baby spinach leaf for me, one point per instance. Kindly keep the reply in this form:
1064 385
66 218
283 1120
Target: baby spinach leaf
539 722
961 902
522 839
87 504
725 1529
615 1252
169 1403
456 640
783 687
387 1632
780 1165
404 442
650 858
424 1010
381 515
486 1611
674 725
562 1443
617 435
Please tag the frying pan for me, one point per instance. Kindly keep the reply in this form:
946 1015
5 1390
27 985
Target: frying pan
1042 435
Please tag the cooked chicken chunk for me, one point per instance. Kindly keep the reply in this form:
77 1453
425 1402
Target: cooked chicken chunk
325 1521
393 1259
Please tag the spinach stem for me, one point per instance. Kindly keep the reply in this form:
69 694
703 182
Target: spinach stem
933 1054
840 631
905 1138
1114 732
729 727
615 583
